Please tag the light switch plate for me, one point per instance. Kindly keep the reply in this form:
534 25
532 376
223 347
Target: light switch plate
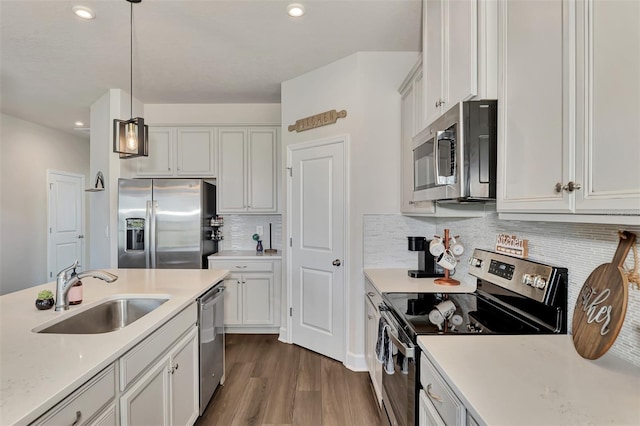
260 230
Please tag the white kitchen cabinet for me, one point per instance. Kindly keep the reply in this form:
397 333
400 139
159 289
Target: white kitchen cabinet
252 294
441 405
167 393
196 152
88 404
568 136
372 317
427 413
460 53
179 151
247 175
412 121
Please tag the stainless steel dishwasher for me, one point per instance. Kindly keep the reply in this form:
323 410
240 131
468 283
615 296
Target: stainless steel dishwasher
211 334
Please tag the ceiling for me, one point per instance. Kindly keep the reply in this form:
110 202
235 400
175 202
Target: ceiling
54 65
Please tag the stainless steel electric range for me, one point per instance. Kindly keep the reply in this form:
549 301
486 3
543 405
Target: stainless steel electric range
514 296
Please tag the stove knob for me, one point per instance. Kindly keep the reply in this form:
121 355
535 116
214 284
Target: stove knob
527 279
474 261
539 282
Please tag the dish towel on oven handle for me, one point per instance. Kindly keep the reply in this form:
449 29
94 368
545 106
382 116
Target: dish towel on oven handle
384 347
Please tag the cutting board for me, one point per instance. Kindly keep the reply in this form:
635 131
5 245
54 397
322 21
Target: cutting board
602 304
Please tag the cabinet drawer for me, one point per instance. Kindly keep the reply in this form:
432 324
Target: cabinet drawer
84 403
241 266
372 293
440 394
140 357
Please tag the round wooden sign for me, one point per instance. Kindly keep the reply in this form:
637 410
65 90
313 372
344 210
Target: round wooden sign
602 304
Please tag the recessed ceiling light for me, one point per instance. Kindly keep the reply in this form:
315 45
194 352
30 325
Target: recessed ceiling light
83 12
79 123
295 9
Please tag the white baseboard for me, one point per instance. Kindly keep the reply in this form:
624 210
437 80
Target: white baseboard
228 329
283 335
355 362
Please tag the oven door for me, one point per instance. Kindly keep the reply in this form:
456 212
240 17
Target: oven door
399 387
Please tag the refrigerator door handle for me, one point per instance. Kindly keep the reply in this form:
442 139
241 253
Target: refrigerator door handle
147 235
153 234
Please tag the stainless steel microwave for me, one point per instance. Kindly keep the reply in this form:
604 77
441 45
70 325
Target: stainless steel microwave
454 158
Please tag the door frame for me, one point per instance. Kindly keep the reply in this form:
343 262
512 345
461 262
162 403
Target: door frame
344 140
83 221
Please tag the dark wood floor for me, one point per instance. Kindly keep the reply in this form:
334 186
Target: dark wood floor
273 383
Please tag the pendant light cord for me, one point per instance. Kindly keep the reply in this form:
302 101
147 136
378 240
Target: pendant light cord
131 61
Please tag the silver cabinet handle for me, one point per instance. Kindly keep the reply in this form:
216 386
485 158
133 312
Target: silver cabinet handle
569 187
78 417
431 395
175 367
336 262
370 317
241 267
370 294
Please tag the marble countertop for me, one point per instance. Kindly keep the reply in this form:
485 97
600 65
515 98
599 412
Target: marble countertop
535 380
397 281
39 370
244 254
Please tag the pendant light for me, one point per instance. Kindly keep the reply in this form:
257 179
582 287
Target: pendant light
131 137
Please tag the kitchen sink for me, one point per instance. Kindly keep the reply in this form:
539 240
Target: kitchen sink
108 316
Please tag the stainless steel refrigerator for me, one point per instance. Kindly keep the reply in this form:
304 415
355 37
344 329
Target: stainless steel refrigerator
164 223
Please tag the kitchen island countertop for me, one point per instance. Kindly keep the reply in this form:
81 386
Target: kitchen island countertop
396 280
535 380
39 370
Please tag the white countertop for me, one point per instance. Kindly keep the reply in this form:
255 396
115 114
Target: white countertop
244 255
536 380
397 281
39 370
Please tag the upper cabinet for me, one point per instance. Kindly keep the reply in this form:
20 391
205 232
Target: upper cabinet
179 151
460 53
247 178
568 136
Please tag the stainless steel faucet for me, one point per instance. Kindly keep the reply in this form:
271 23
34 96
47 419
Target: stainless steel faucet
68 277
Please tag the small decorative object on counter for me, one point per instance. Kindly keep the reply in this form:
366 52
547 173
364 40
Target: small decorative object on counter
75 294
270 250
448 261
45 300
259 247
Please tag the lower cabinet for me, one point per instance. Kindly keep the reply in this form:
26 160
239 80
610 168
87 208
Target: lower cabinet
438 404
252 294
167 394
372 317
155 383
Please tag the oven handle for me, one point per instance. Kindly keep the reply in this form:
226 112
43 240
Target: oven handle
408 352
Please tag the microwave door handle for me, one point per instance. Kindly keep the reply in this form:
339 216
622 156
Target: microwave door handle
436 163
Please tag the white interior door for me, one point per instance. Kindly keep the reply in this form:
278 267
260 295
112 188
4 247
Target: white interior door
65 242
318 246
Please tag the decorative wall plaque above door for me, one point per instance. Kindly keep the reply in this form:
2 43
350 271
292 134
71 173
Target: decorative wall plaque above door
318 120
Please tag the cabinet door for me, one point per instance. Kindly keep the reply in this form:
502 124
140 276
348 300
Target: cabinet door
411 99
261 170
461 47
147 401
232 171
608 134
106 418
257 299
185 381
427 414
232 300
418 121
160 159
432 58
196 148
535 140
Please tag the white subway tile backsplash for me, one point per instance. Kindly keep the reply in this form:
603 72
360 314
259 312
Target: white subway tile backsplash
238 230
578 247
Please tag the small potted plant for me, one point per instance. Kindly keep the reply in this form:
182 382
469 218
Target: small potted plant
45 300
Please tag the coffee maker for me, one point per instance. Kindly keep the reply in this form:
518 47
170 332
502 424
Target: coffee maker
427 266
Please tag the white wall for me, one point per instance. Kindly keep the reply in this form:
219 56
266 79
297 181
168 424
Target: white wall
209 114
366 85
27 150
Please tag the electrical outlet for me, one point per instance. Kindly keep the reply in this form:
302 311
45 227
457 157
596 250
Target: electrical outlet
260 230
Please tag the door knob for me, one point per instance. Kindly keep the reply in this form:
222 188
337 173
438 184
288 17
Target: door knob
336 262
80 236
